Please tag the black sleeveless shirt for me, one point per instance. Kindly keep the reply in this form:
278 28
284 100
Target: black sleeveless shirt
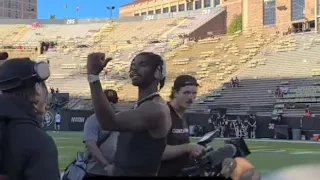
138 153
179 134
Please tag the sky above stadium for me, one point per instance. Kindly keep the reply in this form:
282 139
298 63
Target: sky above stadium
78 8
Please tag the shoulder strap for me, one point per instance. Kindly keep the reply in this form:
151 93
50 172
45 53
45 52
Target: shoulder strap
145 99
103 138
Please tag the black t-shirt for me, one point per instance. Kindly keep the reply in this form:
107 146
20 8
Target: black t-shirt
138 153
252 122
179 134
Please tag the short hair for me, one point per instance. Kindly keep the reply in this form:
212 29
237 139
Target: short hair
182 81
156 60
111 95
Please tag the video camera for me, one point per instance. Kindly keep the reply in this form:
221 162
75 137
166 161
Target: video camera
209 163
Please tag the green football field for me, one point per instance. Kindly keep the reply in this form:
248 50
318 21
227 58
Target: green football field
266 155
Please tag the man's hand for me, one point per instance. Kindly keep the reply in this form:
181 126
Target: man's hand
96 62
109 169
195 149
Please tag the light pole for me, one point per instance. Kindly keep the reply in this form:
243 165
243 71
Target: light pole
110 8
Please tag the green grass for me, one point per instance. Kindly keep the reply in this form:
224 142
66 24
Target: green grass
266 155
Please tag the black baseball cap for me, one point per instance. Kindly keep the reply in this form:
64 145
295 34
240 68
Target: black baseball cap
13 71
184 80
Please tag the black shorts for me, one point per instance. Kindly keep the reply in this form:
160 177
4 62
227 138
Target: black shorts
58 123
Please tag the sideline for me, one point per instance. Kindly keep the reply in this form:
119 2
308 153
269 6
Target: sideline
269 140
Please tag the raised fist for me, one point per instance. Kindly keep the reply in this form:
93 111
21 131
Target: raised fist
96 62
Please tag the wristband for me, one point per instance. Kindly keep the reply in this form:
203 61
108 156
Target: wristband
93 78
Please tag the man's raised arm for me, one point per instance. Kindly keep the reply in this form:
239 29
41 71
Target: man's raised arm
103 109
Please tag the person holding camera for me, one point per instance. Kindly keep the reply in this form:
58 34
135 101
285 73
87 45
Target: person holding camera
101 163
27 151
179 149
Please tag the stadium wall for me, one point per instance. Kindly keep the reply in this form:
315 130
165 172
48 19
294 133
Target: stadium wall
139 7
216 25
255 15
254 12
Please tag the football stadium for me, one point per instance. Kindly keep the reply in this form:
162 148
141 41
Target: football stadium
270 47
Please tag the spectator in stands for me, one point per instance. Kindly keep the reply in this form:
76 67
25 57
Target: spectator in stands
57 90
179 148
278 92
232 84
27 151
307 112
52 90
101 162
236 82
57 119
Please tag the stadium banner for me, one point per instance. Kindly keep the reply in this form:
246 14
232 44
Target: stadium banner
73 120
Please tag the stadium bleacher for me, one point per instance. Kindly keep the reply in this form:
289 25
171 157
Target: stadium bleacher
213 60
290 63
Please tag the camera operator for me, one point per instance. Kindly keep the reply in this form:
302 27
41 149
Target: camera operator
27 151
101 163
179 149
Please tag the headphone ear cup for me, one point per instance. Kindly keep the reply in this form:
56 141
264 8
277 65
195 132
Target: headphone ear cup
157 74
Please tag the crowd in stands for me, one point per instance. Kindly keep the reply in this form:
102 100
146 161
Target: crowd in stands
54 91
280 91
234 82
47 46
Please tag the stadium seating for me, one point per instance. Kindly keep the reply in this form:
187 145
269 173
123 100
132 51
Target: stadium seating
290 63
214 59
11 33
61 33
195 19
211 60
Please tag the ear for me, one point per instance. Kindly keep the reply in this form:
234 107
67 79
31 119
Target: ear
175 92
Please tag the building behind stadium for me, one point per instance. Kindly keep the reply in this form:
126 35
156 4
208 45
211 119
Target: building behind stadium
256 14
18 9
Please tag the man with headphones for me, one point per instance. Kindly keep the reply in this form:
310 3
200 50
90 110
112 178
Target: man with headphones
144 128
27 151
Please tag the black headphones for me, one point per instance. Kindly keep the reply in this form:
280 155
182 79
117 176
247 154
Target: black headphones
40 72
161 71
